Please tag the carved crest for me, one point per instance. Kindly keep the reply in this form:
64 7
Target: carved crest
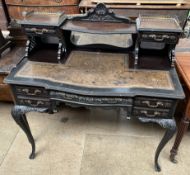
102 14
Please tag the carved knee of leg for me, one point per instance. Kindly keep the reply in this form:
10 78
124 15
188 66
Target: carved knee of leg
16 114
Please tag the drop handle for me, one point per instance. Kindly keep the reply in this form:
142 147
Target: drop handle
39 31
159 38
150 115
33 104
151 105
27 91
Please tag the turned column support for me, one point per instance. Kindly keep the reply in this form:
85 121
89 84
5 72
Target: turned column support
172 56
136 52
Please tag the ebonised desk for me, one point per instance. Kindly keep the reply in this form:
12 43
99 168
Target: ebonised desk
96 75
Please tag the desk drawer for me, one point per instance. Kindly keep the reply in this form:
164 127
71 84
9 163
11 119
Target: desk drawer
91 100
153 103
159 37
31 91
39 31
151 113
33 102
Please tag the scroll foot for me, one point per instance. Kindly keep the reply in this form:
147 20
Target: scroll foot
157 168
32 155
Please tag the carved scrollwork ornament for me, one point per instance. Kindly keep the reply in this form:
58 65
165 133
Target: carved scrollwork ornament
25 109
102 14
165 123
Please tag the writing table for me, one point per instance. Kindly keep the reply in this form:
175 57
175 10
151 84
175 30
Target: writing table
99 74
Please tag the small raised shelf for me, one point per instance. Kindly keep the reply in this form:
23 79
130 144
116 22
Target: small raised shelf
44 26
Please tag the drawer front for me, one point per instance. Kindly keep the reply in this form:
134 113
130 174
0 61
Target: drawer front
151 113
15 12
31 91
42 2
91 100
159 37
153 103
39 31
33 102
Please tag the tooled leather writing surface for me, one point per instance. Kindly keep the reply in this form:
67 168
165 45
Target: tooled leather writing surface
97 70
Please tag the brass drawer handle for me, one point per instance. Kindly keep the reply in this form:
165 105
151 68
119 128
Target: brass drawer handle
35 105
38 31
27 91
153 106
151 115
159 38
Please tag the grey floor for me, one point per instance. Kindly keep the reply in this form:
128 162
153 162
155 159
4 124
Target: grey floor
79 141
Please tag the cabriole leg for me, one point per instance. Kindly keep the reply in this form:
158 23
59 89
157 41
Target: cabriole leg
170 125
18 114
167 136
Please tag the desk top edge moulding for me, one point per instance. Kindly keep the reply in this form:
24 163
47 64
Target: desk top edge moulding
47 77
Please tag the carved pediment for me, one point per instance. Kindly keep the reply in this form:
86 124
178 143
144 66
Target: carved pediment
102 14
